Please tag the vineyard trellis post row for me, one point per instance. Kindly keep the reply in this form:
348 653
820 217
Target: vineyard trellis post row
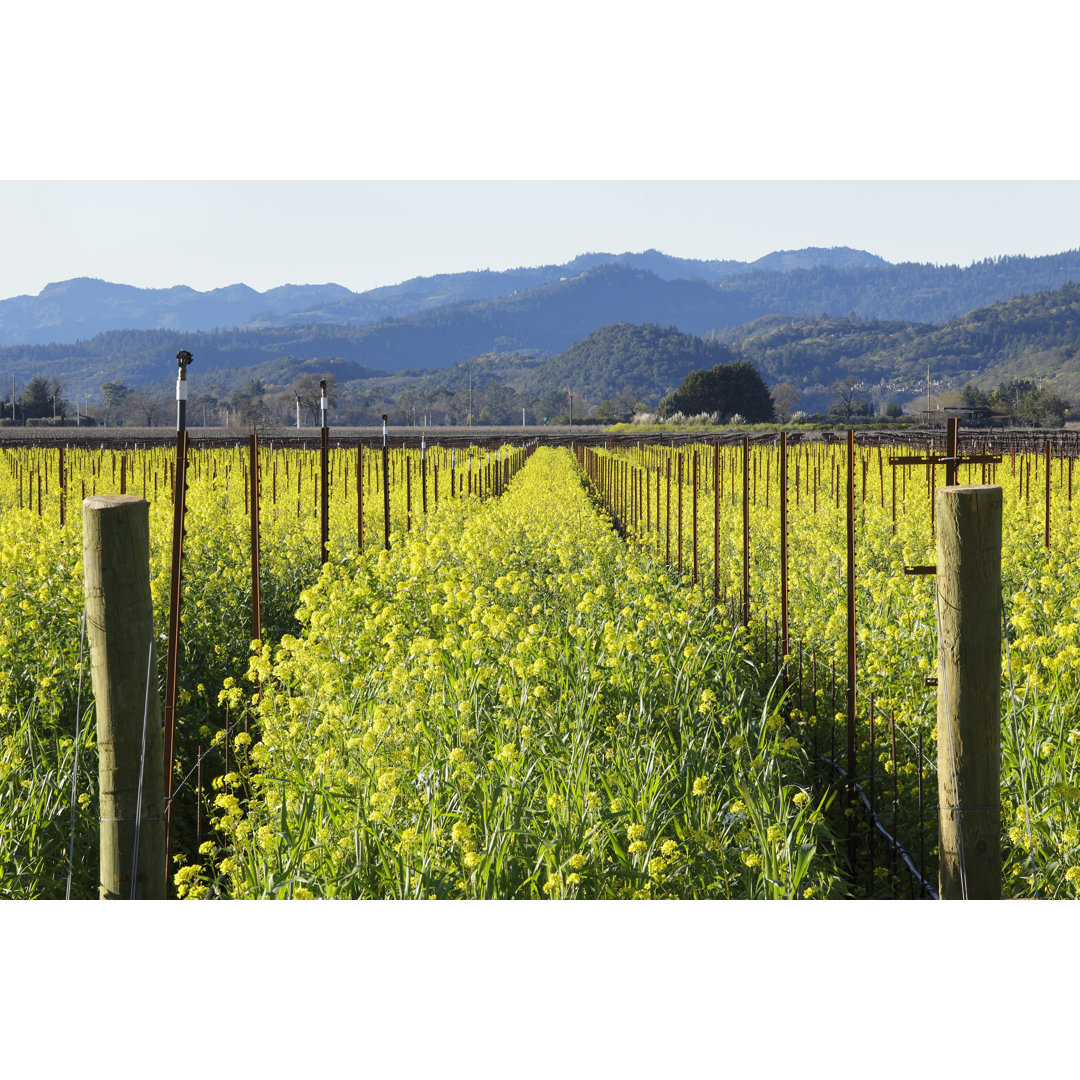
969 691
120 631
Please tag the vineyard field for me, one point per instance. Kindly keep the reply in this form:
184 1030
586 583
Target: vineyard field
542 677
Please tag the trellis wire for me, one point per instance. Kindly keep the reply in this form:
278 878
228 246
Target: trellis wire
1019 756
142 764
75 766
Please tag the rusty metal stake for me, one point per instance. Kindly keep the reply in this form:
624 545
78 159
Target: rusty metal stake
695 502
1049 452
746 531
360 496
253 471
717 476
386 485
784 551
851 658
324 494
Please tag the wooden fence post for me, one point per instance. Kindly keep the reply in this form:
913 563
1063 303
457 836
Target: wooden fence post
120 630
969 691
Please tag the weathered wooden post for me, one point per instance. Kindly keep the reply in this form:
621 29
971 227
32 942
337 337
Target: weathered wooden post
120 629
969 691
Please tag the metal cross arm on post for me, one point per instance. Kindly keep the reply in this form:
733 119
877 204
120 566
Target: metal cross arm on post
943 459
952 457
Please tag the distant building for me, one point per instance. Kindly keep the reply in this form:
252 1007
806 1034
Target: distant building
977 416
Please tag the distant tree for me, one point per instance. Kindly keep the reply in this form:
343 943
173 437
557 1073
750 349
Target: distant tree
1030 404
848 400
202 409
60 404
973 397
786 398
1042 407
113 395
143 408
499 405
36 399
604 411
627 401
553 407
305 389
410 401
723 389
250 404
894 410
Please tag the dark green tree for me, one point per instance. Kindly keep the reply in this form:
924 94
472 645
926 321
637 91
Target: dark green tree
36 399
1041 407
724 389
973 397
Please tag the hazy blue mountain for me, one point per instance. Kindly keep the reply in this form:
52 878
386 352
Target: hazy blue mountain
423 293
838 258
68 311
548 318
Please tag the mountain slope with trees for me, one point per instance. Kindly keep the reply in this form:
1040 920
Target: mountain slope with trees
550 318
648 360
525 338
1022 336
67 311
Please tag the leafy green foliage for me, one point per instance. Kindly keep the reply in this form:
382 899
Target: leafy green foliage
725 389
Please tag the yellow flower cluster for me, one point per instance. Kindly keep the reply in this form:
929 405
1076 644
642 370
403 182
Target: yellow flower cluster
496 706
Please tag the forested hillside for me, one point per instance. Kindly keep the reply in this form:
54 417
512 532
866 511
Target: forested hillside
649 360
541 341
983 346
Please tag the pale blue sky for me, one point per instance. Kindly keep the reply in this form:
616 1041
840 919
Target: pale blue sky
139 140
361 234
